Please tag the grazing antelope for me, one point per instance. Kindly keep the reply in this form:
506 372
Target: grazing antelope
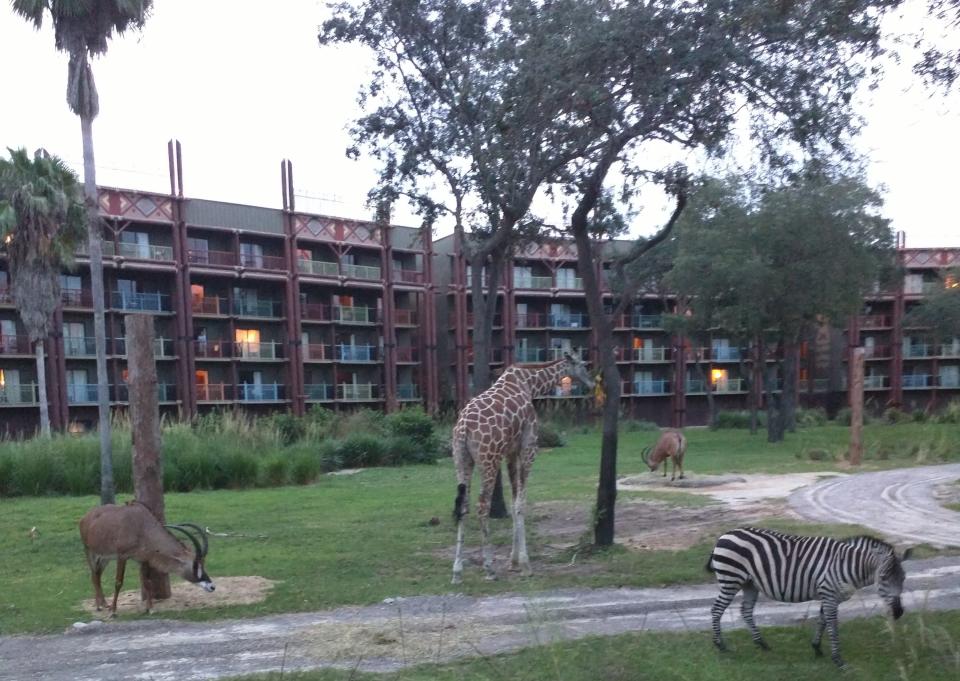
133 532
671 445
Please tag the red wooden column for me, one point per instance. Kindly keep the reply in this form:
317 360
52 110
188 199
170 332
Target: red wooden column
429 298
295 372
896 362
461 331
389 318
182 305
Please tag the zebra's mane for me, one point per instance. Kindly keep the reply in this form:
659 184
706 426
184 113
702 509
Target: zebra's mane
867 539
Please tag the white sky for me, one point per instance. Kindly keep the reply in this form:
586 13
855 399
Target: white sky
243 84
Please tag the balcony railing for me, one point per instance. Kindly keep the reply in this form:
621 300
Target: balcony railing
918 350
76 297
5 298
651 354
80 346
357 353
531 282
263 262
162 347
320 268
319 392
876 382
568 321
729 385
15 345
497 320
525 355
950 350
214 392
874 321
166 392
138 251
576 284
217 348
496 356
258 350
695 386
358 391
258 308
318 352
877 352
724 354
914 381
316 312
260 392
409 276
141 302
531 320
948 381
207 257
558 353
82 393
571 390
408 391
648 387
20 394
640 321
355 315
405 317
361 271
408 354
210 305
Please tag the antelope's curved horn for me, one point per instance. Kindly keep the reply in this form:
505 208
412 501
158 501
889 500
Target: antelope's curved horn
203 536
643 455
193 540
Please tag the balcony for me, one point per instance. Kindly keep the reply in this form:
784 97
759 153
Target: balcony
571 390
408 391
260 392
357 353
214 392
917 381
23 394
496 356
315 312
409 276
651 354
405 317
76 297
319 392
258 350
80 346
555 354
948 381
272 309
731 385
530 355
259 261
950 350
497 320
5 298
725 354
819 385
15 345
166 392
319 268
875 321
162 347
408 355
876 382
218 348
317 352
531 320
138 251
207 257
648 387
695 386
877 352
920 350
358 392
575 284
355 315
568 321
640 321
140 302
210 305
531 282
82 393
361 272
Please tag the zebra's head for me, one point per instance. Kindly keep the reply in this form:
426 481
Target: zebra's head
890 576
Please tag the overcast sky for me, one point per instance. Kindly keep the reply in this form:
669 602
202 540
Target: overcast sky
243 84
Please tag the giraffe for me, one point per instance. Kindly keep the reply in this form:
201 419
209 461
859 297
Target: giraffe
502 423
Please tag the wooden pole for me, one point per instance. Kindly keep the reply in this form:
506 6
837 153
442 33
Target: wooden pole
145 427
856 406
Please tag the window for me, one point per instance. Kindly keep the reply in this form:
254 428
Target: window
523 277
70 282
197 291
950 376
199 250
251 255
248 341
135 244
8 335
567 277
913 283
719 378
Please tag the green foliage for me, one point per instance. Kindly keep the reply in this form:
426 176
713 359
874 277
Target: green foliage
895 416
289 427
729 419
362 449
550 435
950 413
639 426
816 416
940 309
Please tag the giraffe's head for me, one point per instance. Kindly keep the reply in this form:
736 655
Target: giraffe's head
577 368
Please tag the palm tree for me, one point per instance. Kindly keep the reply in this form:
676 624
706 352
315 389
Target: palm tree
41 223
82 29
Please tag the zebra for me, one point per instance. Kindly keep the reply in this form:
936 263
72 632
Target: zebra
795 569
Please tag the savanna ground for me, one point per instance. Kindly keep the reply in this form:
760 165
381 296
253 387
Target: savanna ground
357 539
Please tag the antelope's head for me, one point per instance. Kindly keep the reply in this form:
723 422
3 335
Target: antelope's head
192 569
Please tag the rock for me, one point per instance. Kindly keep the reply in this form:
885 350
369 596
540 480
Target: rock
434 520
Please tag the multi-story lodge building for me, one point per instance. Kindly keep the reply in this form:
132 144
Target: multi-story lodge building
278 309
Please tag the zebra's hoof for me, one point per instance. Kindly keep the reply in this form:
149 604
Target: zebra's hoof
817 650
457 579
721 646
763 645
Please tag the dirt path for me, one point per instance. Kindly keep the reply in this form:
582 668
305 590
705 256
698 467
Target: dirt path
903 504
408 631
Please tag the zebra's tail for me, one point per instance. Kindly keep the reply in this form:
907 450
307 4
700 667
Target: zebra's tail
709 566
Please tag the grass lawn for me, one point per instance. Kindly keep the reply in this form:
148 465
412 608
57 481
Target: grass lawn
919 647
361 538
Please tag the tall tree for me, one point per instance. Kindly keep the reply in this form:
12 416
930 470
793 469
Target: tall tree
940 310
685 74
41 223
82 29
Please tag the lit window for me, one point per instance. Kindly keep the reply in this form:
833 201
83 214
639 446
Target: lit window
718 376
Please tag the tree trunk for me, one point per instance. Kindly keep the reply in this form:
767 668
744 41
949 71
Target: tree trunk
145 427
708 390
774 407
856 406
42 389
746 375
791 354
107 490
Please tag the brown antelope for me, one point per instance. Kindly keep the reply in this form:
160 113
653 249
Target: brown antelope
671 445
133 532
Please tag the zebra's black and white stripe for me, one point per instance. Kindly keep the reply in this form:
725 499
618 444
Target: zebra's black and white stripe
794 569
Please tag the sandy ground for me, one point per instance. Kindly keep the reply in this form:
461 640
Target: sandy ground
185 596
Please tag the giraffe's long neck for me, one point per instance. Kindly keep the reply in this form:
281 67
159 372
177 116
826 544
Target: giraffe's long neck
543 381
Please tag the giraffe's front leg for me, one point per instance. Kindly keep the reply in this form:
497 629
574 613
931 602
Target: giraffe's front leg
515 542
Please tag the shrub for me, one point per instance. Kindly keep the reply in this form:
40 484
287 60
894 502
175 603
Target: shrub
732 419
289 427
920 416
405 450
274 470
319 423
950 413
895 416
638 426
362 449
811 417
304 464
413 423
366 421
843 417
329 456
550 436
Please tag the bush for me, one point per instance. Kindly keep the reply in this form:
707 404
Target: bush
406 450
364 421
807 418
550 436
726 420
896 416
843 417
636 426
304 464
289 428
361 450
950 413
413 423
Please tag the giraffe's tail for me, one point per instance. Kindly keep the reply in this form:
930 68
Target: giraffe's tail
460 503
